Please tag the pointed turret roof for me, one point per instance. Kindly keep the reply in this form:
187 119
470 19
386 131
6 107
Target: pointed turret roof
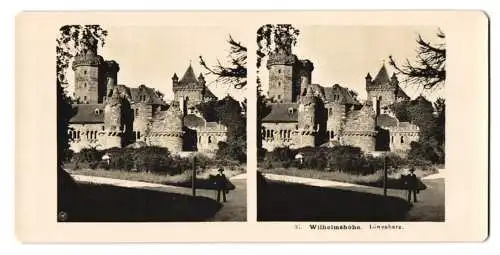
382 76
189 76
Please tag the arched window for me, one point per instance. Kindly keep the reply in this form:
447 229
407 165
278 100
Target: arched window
279 96
402 139
85 85
279 70
279 84
209 139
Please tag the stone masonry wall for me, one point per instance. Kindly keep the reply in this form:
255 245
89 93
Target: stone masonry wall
335 113
387 96
86 136
281 83
279 135
359 130
87 84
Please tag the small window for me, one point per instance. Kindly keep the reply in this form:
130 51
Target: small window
402 139
102 128
279 84
392 139
138 135
84 71
136 112
209 139
279 96
84 98
199 139
279 70
85 85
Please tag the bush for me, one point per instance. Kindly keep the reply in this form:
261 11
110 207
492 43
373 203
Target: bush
231 151
347 159
88 155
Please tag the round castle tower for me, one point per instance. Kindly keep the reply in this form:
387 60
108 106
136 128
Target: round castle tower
307 120
90 86
111 70
113 129
360 128
166 130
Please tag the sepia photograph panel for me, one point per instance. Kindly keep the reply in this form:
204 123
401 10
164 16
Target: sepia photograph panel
351 123
151 124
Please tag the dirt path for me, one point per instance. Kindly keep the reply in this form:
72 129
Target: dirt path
430 205
232 210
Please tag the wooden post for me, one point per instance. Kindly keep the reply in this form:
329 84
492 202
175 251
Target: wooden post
193 179
385 175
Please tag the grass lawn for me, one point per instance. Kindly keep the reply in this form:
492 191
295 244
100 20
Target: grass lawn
375 180
183 179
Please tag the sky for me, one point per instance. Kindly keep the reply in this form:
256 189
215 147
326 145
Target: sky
151 55
341 54
345 54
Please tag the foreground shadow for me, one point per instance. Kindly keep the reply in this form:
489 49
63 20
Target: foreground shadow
106 203
279 201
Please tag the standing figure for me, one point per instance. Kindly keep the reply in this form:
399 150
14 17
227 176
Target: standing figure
411 185
221 185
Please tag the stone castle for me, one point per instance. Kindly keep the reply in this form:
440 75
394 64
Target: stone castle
111 115
303 114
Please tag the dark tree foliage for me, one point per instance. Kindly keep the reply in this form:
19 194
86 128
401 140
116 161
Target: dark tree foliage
72 39
429 68
430 118
270 38
228 112
274 38
234 73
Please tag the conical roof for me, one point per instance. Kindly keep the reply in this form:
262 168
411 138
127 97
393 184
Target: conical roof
382 76
189 76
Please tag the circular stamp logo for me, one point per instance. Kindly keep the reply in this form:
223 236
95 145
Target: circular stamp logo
62 216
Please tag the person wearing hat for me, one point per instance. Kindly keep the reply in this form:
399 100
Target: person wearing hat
411 185
221 183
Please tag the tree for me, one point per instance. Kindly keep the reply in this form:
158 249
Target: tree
270 39
72 40
235 73
429 69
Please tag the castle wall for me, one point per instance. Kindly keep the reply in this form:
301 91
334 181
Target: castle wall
87 87
171 141
281 83
191 97
86 136
401 138
279 135
335 113
360 129
208 140
142 115
304 139
386 96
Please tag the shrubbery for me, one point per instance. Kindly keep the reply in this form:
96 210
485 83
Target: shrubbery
146 159
346 159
